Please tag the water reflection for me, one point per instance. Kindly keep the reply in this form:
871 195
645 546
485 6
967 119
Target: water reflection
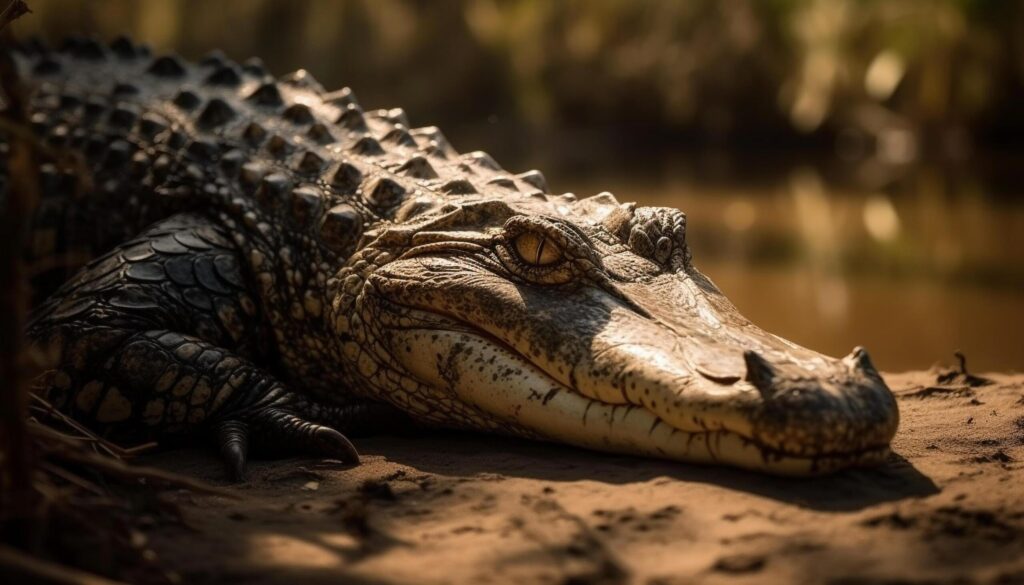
912 272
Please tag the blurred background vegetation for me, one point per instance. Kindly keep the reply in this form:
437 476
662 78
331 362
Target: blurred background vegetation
851 168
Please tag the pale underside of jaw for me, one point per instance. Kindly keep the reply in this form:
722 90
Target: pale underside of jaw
502 383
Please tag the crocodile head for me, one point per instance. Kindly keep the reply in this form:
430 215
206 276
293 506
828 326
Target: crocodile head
586 323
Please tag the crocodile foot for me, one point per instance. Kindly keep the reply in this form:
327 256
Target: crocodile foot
280 430
284 423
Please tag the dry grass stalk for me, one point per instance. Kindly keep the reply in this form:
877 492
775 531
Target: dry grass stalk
63 489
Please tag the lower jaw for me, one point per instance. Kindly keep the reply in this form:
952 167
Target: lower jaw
742 452
515 392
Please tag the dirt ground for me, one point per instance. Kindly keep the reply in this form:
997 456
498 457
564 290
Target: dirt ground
459 508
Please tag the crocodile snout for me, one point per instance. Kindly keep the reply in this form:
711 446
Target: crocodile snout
844 407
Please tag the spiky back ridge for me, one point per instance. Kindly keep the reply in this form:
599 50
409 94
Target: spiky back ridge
229 133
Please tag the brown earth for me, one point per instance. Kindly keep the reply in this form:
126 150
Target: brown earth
460 508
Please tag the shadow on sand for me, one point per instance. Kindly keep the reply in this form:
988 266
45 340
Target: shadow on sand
468 454
465 454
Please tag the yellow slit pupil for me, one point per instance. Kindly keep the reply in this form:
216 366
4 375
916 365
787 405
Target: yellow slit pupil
536 249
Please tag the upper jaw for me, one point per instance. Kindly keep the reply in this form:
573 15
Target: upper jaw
841 416
782 396
689 362
529 402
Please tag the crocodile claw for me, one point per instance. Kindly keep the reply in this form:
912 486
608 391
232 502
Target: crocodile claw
233 437
279 432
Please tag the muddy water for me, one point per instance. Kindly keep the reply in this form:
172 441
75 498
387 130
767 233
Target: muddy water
904 324
913 269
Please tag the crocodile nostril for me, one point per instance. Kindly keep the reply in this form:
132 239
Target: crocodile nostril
861 361
760 373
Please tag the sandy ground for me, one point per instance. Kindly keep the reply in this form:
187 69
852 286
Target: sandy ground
948 508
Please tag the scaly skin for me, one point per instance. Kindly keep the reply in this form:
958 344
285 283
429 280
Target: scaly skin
280 267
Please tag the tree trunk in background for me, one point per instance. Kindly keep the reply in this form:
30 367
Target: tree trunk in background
17 197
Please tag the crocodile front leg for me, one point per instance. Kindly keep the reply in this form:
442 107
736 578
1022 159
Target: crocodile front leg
159 339
189 381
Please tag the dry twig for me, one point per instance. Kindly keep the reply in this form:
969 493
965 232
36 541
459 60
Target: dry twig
15 10
54 472
25 567
41 407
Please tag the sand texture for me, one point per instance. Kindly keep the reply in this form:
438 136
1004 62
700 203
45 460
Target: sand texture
462 508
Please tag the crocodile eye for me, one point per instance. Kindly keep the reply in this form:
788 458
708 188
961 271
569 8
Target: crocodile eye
537 249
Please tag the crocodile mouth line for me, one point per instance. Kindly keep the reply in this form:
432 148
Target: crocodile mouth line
713 438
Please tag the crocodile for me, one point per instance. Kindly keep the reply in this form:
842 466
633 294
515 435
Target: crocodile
263 265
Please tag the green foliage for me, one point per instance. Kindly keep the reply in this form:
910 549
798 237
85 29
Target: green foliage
708 69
